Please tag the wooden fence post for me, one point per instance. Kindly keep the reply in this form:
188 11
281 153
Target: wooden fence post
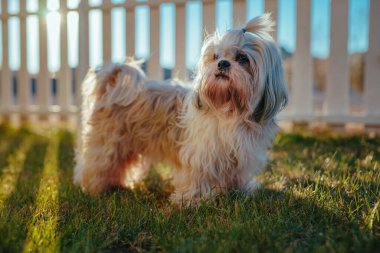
239 13
208 14
372 63
338 88
154 68
272 7
83 61
130 31
302 82
180 70
43 88
106 9
5 75
23 81
83 48
64 82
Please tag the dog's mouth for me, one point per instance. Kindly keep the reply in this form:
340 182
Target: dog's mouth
221 75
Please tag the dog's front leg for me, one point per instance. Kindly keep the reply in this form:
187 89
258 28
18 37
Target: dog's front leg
190 188
250 186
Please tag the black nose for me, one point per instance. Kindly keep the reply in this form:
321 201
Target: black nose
223 65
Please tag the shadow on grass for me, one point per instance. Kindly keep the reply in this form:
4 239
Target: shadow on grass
19 206
5 130
68 194
15 139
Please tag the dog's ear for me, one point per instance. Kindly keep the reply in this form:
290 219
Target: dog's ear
275 95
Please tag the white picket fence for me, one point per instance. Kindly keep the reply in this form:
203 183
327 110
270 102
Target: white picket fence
336 107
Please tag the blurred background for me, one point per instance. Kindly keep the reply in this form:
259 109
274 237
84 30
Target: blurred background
331 51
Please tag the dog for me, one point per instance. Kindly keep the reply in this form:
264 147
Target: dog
214 134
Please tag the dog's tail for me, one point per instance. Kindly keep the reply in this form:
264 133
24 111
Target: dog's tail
114 84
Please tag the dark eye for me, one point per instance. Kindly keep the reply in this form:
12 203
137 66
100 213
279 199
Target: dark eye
242 59
216 57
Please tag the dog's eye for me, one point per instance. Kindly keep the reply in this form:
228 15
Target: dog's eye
242 59
216 57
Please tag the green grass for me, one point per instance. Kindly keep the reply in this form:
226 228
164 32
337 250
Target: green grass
320 193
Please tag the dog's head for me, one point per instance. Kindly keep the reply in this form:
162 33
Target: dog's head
241 72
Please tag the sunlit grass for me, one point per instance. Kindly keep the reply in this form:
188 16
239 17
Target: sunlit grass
13 147
42 229
10 173
320 194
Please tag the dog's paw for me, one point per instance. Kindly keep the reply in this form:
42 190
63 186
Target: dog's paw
182 200
251 187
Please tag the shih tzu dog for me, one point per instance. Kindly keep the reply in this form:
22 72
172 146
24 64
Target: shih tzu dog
214 134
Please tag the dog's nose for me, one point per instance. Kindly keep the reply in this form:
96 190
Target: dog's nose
223 65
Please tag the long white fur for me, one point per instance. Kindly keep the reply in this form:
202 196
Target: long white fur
215 143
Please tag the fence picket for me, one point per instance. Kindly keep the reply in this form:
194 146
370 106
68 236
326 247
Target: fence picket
208 14
5 75
180 70
83 54
23 79
43 75
130 31
106 31
64 84
272 7
154 68
302 83
372 62
337 100
239 13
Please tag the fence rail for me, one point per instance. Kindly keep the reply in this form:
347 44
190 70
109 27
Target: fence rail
23 94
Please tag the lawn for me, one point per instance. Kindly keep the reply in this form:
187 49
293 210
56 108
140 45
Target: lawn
321 193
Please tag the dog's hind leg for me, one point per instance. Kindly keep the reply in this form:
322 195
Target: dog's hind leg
103 155
103 165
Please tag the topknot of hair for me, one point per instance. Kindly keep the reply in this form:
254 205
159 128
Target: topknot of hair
261 25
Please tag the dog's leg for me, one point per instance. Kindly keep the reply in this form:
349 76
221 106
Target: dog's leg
184 188
250 187
102 166
105 158
251 165
190 188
